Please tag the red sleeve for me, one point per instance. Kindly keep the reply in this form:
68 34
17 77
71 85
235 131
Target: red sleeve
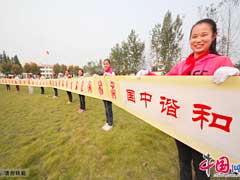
226 62
174 71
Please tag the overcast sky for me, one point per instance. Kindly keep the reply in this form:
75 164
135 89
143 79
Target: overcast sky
77 31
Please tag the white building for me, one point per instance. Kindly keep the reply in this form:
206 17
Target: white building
46 70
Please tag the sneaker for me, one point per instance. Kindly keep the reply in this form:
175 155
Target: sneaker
54 97
69 102
81 110
107 127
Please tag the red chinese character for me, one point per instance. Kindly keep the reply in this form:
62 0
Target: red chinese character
206 165
222 165
145 97
71 83
89 86
100 87
76 87
170 104
82 85
62 83
225 127
201 113
113 90
130 95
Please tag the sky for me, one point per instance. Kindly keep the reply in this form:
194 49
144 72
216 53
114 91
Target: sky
77 31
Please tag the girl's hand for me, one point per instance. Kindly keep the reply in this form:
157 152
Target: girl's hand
142 72
109 74
222 73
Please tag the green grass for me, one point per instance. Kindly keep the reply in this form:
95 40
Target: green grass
53 141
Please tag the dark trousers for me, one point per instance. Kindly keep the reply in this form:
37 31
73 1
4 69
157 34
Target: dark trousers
17 88
42 90
186 155
55 91
8 87
82 101
69 96
108 111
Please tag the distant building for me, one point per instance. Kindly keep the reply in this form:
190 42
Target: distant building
46 70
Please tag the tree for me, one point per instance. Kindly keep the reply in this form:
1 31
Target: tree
15 60
63 68
27 68
134 51
31 68
117 59
93 67
7 67
128 58
165 41
35 69
17 69
70 69
226 14
56 69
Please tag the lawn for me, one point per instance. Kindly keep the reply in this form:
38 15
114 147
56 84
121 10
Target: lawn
51 139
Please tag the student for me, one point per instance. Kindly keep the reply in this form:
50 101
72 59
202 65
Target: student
108 104
55 89
81 97
70 99
8 85
42 88
30 88
203 61
17 86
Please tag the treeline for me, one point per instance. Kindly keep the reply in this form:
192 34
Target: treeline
10 65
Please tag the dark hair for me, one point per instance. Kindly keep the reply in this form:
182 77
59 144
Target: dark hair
213 25
80 69
108 60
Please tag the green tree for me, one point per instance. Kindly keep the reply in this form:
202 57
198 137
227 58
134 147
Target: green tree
128 58
117 59
7 67
70 69
56 69
93 67
17 69
27 68
165 41
134 50
35 69
15 60
63 68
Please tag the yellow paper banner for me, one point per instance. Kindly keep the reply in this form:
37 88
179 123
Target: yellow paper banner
193 110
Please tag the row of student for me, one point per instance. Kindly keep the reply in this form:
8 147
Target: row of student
107 104
204 60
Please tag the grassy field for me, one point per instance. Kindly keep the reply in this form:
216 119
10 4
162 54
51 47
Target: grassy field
52 140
